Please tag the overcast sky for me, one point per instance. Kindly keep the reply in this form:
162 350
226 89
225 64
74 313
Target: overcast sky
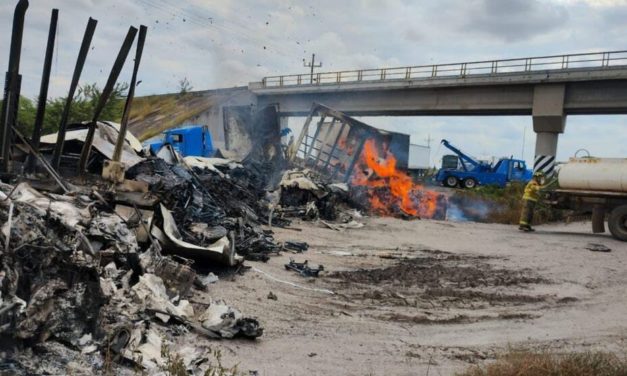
226 43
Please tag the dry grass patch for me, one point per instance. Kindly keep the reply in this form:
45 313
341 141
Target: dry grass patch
492 204
153 114
524 363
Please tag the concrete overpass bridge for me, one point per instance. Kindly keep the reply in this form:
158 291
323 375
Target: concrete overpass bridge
546 87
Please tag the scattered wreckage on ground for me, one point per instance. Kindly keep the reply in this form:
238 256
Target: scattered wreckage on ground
98 268
115 261
102 242
95 268
101 268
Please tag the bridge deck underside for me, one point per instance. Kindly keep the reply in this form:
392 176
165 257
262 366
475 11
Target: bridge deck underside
581 97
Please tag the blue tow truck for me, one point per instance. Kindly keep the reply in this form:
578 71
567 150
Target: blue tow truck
462 170
191 140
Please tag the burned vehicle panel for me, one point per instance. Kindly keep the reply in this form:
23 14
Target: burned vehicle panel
333 145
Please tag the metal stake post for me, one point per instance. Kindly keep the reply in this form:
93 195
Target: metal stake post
80 62
12 85
104 97
43 90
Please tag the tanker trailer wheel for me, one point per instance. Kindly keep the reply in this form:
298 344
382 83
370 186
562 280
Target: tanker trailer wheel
470 183
618 222
451 181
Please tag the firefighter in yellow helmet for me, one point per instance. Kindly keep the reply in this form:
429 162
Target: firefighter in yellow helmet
530 199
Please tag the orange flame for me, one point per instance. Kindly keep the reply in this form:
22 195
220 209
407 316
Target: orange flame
389 188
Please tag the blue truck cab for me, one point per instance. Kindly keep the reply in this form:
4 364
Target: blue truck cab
192 140
462 170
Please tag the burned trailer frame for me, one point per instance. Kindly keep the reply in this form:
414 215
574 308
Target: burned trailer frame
334 146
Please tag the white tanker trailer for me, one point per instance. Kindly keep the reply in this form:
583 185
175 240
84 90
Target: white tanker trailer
597 186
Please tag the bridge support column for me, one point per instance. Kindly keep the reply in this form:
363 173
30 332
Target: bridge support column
549 121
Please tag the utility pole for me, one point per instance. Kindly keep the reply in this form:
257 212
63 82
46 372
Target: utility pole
429 139
312 65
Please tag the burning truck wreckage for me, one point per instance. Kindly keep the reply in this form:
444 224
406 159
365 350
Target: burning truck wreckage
103 242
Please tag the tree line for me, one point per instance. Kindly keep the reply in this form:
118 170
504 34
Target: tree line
82 109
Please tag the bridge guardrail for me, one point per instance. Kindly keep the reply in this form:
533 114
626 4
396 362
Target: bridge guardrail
459 70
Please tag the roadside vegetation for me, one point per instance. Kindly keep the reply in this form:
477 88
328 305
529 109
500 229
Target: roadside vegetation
160 112
152 115
526 363
175 365
491 204
83 106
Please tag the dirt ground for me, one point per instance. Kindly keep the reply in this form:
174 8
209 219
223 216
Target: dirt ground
427 297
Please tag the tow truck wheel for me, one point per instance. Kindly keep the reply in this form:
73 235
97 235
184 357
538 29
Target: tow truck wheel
451 181
618 222
470 183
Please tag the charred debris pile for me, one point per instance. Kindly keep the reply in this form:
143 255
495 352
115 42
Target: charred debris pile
96 269
76 278
103 269
106 270
103 245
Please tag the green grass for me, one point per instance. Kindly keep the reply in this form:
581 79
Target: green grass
525 363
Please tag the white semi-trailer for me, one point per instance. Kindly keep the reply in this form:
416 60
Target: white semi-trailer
418 160
597 186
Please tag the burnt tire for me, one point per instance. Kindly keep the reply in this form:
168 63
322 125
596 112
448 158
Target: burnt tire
470 183
451 181
618 222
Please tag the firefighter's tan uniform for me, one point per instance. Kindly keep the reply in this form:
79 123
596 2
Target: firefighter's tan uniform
530 198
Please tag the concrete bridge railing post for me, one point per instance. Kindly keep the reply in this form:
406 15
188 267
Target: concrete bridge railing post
549 120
